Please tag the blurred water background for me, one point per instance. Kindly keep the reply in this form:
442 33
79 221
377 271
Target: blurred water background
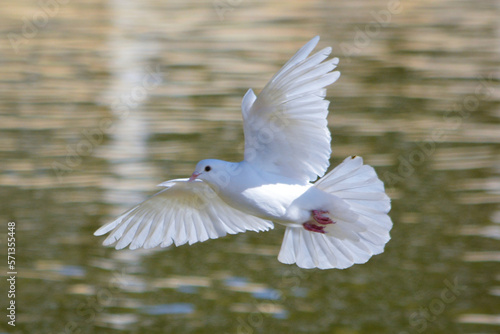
100 101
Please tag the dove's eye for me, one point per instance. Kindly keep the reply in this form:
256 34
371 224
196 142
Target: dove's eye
208 168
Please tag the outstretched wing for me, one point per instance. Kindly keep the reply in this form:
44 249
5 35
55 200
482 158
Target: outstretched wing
285 127
183 212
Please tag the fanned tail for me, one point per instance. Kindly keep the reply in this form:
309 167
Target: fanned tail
351 240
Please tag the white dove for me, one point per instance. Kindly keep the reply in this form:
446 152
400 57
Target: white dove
339 220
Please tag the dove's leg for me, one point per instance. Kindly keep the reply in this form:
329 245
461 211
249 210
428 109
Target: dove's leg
319 222
313 227
320 218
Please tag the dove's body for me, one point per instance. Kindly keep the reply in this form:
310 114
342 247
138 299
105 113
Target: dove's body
265 195
339 220
270 196
273 201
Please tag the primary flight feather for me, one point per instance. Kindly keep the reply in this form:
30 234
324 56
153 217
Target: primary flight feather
339 220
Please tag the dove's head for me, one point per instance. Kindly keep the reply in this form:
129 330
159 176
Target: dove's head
211 171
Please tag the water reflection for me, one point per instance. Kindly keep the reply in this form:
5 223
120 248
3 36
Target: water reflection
178 308
133 79
87 130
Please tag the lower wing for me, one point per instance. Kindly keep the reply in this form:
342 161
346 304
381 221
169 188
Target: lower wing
183 212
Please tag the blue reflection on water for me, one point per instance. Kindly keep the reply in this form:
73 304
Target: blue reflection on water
187 289
236 281
271 294
175 308
72 271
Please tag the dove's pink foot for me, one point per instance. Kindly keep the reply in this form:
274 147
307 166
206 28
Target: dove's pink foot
311 226
320 218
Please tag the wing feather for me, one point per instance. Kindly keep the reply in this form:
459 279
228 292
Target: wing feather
286 131
184 212
155 233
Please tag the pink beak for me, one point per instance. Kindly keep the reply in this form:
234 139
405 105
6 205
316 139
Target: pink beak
194 176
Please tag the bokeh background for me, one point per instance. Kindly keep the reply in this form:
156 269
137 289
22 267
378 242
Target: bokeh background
100 101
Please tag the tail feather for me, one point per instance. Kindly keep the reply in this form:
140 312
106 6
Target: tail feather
350 240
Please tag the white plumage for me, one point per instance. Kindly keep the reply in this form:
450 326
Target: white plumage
339 220
347 241
183 212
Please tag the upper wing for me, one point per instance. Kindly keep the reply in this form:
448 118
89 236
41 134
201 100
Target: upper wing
285 128
183 212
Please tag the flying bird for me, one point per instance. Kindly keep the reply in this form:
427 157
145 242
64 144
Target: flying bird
332 222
